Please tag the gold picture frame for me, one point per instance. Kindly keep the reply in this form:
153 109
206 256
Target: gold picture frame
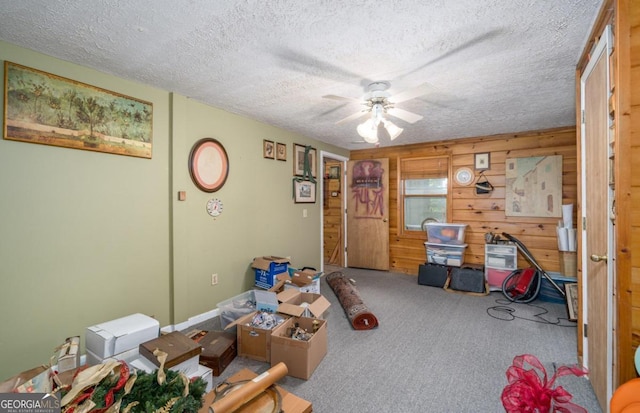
281 151
268 149
571 294
48 109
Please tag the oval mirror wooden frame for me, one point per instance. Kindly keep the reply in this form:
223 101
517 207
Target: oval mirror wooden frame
208 165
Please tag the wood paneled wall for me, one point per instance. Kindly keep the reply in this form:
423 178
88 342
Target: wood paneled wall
483 213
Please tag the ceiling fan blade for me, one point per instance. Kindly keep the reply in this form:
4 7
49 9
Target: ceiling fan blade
336 97
404 115
353 117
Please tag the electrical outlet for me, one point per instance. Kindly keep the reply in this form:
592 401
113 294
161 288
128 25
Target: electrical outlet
214 279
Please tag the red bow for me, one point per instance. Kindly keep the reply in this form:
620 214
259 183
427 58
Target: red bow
528 393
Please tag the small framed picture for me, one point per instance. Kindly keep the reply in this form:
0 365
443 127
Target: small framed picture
571 292
298 160
268 150
334 172
482 161
305 192
281 151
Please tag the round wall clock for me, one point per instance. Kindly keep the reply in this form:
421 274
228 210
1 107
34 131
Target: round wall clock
208 165
214 207
463 176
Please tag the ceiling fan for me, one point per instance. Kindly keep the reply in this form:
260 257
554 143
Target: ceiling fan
377 103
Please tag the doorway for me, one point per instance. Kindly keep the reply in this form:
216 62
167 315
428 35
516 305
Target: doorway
332 221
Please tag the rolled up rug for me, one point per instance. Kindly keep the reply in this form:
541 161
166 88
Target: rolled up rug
357 312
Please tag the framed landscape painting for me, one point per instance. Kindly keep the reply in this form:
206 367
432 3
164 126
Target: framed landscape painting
52 110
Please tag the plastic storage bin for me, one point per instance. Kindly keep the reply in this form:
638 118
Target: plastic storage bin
236 307
444 254
549 293
443 233
495 278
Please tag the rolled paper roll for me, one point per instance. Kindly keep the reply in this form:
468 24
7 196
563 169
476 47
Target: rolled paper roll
235 399
563 239
567 215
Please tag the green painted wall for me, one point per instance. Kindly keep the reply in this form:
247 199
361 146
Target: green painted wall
87 237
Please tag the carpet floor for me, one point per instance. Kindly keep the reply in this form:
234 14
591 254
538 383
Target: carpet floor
434 351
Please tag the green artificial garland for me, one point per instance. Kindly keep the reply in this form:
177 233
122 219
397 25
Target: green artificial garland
166 398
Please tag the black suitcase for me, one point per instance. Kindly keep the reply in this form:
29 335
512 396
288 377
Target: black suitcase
468 278
433 275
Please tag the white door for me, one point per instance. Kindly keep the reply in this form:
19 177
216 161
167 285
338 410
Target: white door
597 234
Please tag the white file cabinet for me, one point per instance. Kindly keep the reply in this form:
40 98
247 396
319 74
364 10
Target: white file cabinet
499 261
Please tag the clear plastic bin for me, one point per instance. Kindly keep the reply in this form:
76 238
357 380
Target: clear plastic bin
236 307
443 254
443 233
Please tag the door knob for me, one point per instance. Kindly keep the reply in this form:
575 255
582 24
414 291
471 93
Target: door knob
384 220
598 258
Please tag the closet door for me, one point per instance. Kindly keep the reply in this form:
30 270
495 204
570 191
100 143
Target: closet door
597 231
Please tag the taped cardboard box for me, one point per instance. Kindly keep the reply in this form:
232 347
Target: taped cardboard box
266 268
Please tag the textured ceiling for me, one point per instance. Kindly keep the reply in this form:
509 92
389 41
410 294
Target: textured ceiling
486 66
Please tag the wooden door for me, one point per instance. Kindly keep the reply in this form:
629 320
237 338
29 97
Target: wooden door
367 195
596 235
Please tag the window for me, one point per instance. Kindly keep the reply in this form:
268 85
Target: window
423 192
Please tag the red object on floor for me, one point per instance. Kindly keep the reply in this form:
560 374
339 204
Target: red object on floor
527 391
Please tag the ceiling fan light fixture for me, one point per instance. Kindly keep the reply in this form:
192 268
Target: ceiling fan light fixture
393 130
364 129
372 137
368 130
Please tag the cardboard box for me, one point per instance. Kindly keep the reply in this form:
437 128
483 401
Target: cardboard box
218 350
69 354
116 336
183 354
314 287
301 357
304 277
266 269
299 304
253 342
